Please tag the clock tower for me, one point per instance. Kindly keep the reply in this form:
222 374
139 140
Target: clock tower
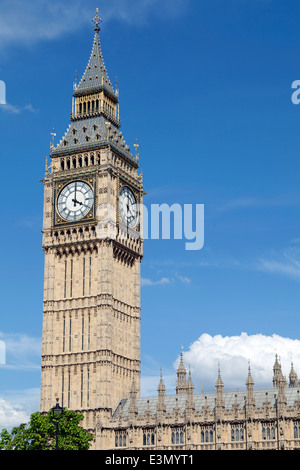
93 251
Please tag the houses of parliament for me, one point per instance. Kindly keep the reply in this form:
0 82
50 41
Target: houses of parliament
91 307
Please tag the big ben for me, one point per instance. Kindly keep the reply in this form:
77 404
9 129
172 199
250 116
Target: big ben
91 308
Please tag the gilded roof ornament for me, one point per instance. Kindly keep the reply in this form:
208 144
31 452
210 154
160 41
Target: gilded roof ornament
97 20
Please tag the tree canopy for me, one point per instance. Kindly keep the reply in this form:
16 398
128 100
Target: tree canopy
40 433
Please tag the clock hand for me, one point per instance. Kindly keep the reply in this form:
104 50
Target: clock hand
75 201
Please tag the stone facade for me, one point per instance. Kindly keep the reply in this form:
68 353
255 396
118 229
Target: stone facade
241 420
91 316
91 313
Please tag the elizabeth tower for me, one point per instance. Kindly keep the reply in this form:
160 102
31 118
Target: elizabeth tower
93 252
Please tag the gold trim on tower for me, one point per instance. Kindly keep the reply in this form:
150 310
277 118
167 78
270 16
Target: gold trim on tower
59 186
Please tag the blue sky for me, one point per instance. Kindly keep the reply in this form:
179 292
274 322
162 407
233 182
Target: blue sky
205 87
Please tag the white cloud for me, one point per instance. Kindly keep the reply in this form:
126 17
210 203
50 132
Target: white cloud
233 354
22 351
183 279
149 282
286 263
166 280
15 109
17 406
277 200
11 416
29 21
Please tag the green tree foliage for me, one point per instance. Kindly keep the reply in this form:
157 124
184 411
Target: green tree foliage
40 433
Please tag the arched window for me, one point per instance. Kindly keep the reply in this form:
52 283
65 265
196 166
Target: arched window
268 431
237 432
177 436
148 437
207 434
120 439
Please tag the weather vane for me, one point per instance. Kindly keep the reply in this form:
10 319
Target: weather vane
97 20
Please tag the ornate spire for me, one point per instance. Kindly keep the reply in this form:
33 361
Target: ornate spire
190 405
133 410
250 400
219 382
220 405
293 379
281 392
95 110
181 377
161 389
249 381
277 372
95 77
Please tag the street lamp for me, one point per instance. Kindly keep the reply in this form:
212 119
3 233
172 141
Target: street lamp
57 412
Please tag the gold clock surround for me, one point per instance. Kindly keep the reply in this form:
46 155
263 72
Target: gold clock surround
59 186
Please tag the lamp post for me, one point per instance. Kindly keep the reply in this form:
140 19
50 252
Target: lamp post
57 412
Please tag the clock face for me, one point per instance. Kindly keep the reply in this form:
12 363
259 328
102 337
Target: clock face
128 207
75 201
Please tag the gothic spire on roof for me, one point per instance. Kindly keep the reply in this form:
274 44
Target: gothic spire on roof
249 380
95 76
133 410
250 400
293 379
181 377
219 382
190 404
277 372
220 406
161 407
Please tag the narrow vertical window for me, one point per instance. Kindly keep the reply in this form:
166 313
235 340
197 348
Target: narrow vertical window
83 277
81 390
71 279
69 390
88 389
70 334
64 334
65 288
82 332
62 388
90 277
89 333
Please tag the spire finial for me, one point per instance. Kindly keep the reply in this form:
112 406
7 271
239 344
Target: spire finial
136 145
97 20
52 143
